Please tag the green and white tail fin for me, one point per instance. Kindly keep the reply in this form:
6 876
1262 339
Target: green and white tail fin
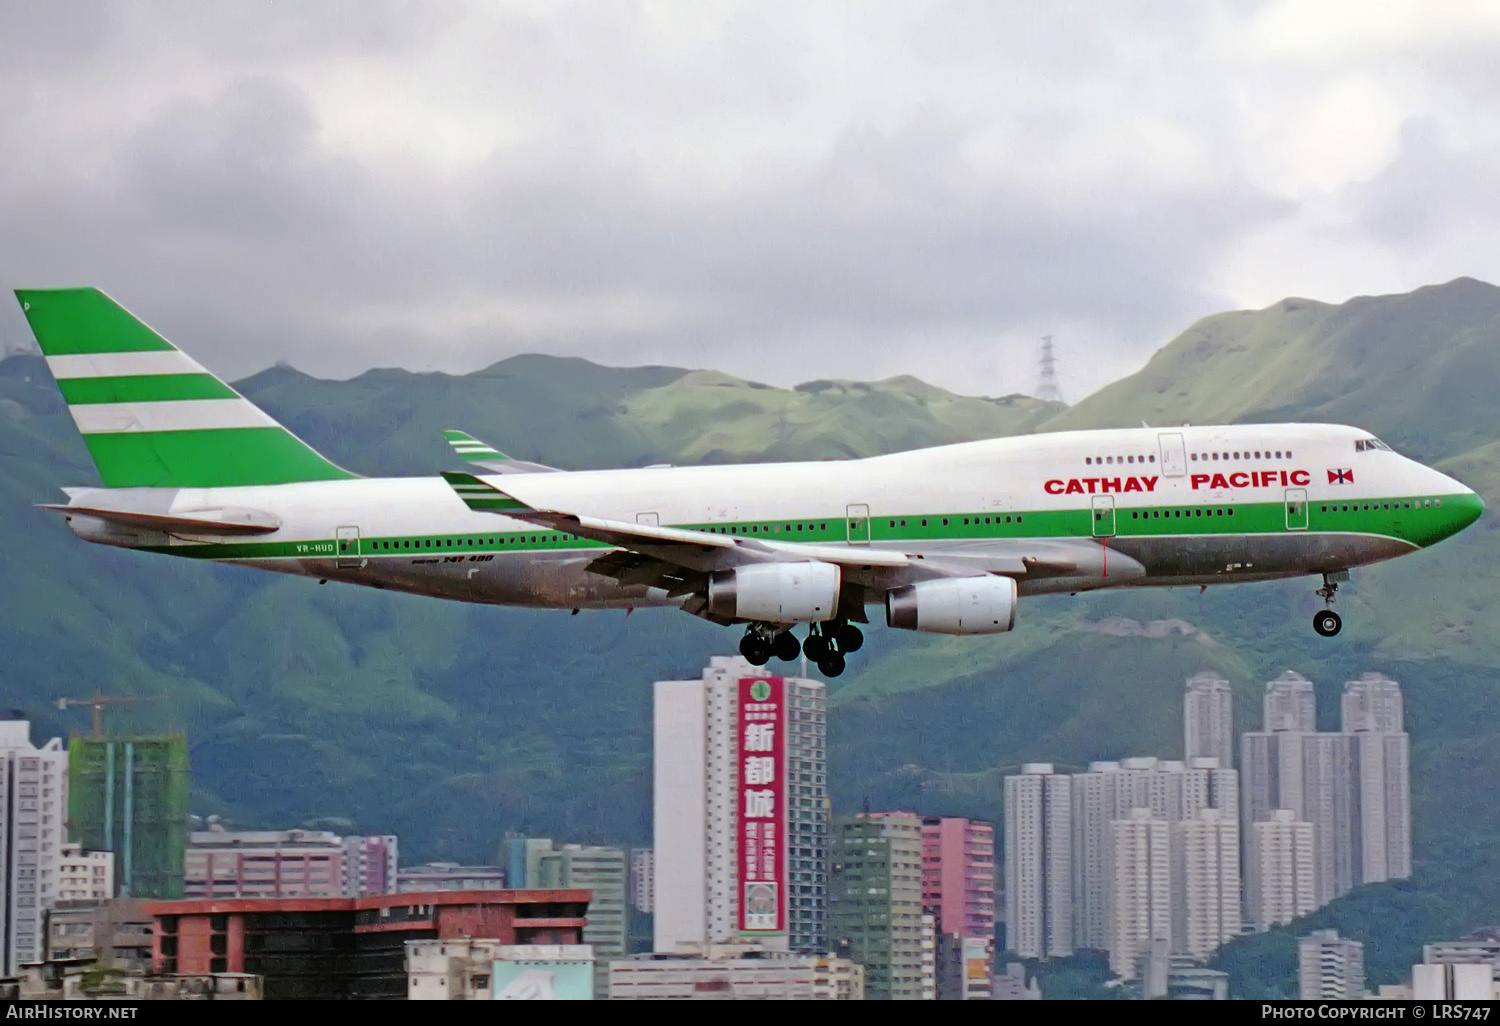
490 459
149 413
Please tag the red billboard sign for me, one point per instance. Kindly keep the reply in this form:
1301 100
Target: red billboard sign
761 797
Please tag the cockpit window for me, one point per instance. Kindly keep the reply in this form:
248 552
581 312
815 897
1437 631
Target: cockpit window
1367 444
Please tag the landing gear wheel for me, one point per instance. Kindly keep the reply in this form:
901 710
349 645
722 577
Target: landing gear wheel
1327 623
786 647
850 638
755 649
831 665
816 647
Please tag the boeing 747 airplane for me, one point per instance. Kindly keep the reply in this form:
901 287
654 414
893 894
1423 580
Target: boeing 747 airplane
944 539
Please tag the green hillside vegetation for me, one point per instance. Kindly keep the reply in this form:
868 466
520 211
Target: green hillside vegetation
451 725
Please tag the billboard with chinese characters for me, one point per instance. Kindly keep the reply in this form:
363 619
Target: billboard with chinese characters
762 805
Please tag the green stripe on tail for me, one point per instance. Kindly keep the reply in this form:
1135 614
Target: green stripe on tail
150 415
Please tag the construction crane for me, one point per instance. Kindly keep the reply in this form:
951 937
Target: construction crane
98 702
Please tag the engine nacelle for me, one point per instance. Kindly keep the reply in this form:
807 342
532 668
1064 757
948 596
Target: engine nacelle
961 605
776 592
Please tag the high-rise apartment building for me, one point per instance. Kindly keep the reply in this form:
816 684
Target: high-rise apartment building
1312 775
1208 719
877 904
958 889
1373 703
643 880
1330 968
1372 717
129 796
1279 870
958 875
1039 862
1172 791
1140 889
1290 704
537 863
1205 882
33 802
1353 786
705 807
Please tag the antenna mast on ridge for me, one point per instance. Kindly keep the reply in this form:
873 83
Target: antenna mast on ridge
1047 388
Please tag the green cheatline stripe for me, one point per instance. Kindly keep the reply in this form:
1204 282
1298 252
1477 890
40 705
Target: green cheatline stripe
489 504
1416 524
207 458
144 388
68 322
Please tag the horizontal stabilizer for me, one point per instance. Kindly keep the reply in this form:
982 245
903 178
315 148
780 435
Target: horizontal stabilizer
220 520
490 459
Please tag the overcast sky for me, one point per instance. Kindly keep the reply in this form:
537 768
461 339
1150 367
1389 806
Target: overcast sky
781 191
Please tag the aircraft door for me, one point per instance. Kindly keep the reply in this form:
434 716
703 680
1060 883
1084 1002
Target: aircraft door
1173 454
1296 509
1104 516
347 549
858 522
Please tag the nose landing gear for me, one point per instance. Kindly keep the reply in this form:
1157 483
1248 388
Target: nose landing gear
1326 622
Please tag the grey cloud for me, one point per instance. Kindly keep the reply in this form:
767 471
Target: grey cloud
220 204
224 215
1429 190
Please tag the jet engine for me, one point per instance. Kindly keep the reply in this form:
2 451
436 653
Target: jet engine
776 592
961 605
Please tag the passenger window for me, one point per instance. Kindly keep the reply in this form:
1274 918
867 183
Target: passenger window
1087 461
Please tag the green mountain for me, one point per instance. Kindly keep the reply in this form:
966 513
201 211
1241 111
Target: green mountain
451 724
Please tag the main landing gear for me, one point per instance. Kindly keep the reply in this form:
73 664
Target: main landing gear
826 645
1326 622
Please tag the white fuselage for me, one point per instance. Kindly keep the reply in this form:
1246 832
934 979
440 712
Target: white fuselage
1090 509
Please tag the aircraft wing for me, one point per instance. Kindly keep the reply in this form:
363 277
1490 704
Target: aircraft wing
703 551
679 560
490 459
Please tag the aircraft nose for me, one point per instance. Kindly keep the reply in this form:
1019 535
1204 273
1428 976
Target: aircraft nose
1470 507
1461 505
